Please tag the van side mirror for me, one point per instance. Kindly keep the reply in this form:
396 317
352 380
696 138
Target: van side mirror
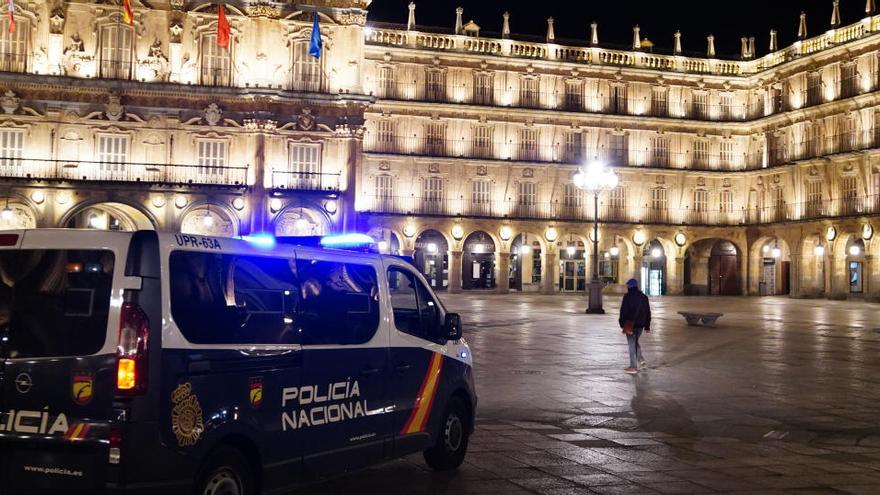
452 326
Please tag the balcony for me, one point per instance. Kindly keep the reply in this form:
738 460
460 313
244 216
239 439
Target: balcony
154 173
463 93
616 213
283 180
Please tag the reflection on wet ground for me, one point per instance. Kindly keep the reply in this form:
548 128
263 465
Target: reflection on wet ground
781 397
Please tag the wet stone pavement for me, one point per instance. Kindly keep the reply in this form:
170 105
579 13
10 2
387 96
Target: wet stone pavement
782 397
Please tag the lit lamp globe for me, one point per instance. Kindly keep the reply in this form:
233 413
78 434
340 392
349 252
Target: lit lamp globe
819 251
614 251
777 253
855 250
570 250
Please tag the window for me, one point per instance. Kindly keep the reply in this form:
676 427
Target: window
11 147
701 153
385 83
574 148
849 83
55 311
846 134
304 165
617 149
617 102
435 139
726 108
528 92
432 197
339 302
483 141
849 193
484 89
527 197
14 45
384 193
481 197
814 88
617 204
574 96
112 152
726 201
307 73
660 102
385 132
660 151
116 51
415 311
215 69
701 105
658 204
528 144
572 199
875 192
435 85
727 156
701 200
233 299
211 156
814 198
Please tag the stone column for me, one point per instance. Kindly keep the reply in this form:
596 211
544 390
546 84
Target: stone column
839 283
676 285
870 288
796 283
637 269
548 261
455 272
258 200
502 273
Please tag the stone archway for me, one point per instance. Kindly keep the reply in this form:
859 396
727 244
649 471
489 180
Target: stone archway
527 252
301 222
654 269
109 216
209 219
478 262
431 257
770 267
713 267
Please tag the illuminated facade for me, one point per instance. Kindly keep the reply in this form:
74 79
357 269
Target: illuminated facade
454 147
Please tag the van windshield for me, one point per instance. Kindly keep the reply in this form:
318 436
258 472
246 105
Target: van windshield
54 303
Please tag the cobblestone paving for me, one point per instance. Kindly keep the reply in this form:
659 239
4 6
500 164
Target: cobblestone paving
782 397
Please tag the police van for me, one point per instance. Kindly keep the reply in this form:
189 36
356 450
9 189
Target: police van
145 362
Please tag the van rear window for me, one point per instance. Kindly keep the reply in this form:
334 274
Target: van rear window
54 303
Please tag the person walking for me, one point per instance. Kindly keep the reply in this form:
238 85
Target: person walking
635 317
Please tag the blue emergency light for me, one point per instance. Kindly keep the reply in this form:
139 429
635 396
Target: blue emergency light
348 241
263 241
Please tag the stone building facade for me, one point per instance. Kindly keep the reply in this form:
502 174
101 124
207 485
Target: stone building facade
758 175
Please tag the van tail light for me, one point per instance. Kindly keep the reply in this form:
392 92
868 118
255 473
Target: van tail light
115 453
8 239
131 352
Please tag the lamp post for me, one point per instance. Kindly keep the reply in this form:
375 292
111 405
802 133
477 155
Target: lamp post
597 178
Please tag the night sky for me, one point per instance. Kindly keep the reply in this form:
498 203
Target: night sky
728 20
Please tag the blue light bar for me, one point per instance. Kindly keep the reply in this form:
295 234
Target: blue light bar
348 241
263 241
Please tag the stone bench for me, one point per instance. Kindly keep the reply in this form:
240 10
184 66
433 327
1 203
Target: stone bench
700 319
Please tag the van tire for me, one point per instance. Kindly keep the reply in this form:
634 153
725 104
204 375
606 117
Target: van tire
451 442
226 473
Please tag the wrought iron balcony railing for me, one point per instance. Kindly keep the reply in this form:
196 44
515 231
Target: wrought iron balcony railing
306 181
88 171
577 211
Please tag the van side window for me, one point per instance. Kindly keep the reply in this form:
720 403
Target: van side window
415 311
232 299
339 303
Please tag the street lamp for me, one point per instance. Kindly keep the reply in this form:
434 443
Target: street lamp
595 179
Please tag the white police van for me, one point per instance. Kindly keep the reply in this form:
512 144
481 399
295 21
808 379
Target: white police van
145 362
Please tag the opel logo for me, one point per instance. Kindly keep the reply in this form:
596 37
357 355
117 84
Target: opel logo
23 383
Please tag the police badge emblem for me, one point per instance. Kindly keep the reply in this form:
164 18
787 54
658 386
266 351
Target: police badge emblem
256 392
81 385
186 416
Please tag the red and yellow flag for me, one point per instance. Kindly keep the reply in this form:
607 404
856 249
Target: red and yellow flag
10 11
127 14
222 27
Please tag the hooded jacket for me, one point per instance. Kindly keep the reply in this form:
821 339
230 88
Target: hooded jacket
635 307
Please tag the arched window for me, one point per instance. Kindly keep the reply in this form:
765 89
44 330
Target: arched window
307 73
14 46
116 46
215 62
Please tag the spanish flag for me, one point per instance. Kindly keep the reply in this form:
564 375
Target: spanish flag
11 13
222 27
127 14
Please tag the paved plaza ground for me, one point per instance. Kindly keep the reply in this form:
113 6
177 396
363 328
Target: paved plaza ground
782 397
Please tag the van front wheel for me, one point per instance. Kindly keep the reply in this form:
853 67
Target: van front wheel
226 473
450 445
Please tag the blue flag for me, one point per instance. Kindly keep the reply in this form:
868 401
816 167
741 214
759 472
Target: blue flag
316 45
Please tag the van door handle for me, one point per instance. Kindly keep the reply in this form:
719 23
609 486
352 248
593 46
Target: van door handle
369 371
402 368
